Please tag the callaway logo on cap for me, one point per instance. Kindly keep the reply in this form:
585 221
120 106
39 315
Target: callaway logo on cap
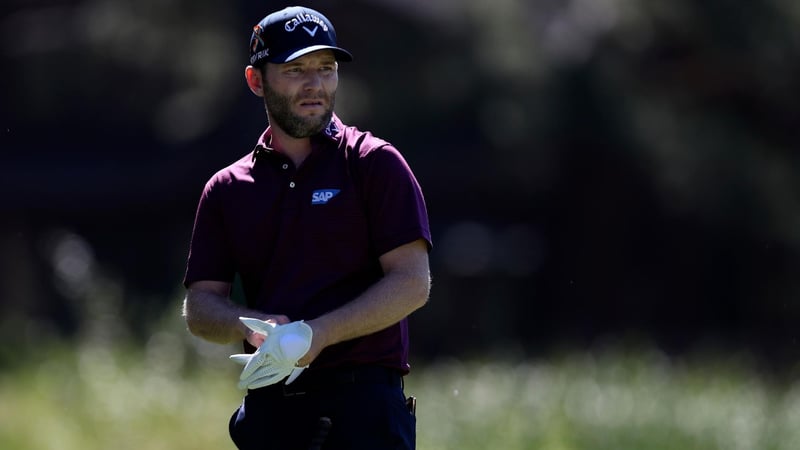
291 33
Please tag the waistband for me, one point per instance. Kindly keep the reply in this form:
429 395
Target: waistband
322 379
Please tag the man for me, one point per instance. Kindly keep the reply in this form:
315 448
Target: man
327 229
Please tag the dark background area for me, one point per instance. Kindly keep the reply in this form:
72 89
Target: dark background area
594 170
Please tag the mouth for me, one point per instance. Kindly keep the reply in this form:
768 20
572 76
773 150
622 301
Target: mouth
312 103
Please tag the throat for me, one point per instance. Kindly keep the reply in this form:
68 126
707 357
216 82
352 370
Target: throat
296 149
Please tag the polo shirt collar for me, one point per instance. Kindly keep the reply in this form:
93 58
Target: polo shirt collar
333 133
334 130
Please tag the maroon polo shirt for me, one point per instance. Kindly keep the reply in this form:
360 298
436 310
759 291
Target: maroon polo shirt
306 240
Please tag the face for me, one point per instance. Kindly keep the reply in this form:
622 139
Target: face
300 94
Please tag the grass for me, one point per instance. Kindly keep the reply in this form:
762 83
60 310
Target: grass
612 401
177 392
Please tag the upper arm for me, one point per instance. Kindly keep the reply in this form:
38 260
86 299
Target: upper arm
209 255
396 209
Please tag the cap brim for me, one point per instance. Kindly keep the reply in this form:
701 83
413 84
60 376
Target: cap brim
340 53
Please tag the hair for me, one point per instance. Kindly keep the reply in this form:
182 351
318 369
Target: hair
261 66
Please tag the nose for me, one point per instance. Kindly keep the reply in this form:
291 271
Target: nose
313 80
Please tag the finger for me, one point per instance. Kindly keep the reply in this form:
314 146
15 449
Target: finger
255 339
281 319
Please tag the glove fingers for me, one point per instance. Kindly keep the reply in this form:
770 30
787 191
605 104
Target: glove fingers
241 358
264 376
257 325
267 369
277 357
260 372
265 381
256 360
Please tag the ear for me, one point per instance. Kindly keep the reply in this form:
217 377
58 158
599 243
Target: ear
253 77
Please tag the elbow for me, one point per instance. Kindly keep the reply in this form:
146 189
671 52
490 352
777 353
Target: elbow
201 329
422 291
193 327
421 301
204 315
190 317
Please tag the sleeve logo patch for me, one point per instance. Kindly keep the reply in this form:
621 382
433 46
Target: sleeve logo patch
321 196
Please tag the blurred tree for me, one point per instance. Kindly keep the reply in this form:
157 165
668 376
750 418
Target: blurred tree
592 167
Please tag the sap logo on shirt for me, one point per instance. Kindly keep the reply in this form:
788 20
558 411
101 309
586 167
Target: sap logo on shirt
321 196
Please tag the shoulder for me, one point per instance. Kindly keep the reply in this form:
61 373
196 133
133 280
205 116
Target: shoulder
240 170
368 151
222 185
351 137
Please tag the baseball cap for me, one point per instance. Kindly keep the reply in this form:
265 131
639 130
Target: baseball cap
291 33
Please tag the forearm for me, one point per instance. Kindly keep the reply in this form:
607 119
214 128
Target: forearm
385 303
214 317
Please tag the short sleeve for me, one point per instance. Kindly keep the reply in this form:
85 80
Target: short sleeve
396 207
209 255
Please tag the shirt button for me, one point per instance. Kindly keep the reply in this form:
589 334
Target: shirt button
285 166
291 184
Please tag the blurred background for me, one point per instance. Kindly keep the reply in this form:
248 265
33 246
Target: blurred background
595 170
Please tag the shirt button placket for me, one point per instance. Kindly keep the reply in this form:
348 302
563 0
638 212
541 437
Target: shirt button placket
285 166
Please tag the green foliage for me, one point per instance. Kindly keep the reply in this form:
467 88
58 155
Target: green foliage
97 397
609 401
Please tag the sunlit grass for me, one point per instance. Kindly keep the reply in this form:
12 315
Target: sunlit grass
178 393
97 398
609 401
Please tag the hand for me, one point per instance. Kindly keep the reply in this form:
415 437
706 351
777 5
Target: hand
256 338
277 357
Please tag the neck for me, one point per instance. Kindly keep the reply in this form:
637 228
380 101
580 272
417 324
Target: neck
296 149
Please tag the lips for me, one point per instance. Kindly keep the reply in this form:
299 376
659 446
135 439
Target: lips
311 103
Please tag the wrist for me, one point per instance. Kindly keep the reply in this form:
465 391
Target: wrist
322 331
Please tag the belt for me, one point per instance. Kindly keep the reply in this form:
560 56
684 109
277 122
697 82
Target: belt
321 379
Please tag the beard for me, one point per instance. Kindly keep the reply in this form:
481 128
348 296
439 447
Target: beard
279 111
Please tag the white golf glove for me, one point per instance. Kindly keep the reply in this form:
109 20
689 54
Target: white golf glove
277 357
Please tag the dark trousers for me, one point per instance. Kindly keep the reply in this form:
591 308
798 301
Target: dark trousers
362 408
